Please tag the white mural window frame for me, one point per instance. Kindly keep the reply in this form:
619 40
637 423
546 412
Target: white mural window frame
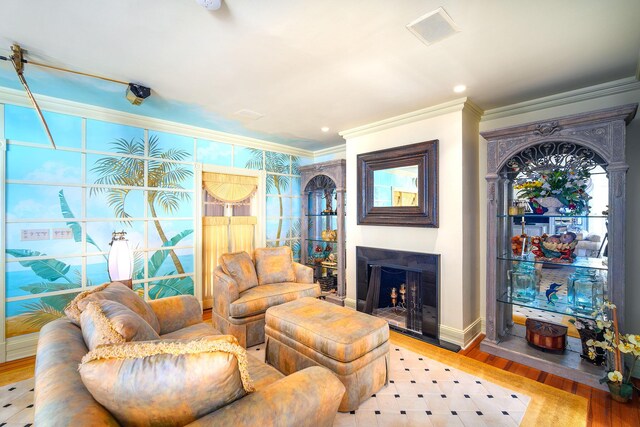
260 212
24 344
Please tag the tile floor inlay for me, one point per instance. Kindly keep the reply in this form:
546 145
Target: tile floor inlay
421 392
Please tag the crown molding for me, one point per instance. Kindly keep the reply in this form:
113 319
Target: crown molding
337 149
414 116
564 98
58 105
471 107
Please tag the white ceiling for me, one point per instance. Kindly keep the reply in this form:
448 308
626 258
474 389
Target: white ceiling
339 63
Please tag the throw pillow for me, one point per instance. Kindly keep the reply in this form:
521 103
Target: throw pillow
168 383
109 322
240 267
274 265
114 291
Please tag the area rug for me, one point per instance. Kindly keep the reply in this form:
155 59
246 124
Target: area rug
428 386
547 406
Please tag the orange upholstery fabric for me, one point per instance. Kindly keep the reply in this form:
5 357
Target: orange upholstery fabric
109 322
336 332
259 299
114 291
309 332
274 265
175 313
168 383
239 266
307 398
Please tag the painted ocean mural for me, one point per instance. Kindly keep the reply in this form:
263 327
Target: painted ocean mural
109 177
62 206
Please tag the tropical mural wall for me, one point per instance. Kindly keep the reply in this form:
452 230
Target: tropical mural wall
61 207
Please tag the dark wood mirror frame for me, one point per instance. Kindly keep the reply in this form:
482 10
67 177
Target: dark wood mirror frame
422 154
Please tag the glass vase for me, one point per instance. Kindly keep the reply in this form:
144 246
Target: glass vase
585 290
524 282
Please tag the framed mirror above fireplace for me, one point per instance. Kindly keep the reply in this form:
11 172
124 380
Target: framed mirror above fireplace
399 186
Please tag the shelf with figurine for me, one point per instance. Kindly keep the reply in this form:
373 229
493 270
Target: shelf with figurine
570 291
556 230
323 235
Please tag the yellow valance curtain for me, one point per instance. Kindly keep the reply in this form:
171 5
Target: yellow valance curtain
229 188
215 242
242 232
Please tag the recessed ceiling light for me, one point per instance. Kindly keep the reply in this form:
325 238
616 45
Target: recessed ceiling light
324 129
459 88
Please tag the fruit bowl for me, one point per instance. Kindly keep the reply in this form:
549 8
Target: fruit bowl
557 247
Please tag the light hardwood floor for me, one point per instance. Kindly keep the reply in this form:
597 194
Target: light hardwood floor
602 410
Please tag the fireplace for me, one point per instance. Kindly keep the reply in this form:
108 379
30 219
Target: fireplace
401 287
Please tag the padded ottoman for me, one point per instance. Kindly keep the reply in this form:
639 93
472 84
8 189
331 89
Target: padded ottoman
310 332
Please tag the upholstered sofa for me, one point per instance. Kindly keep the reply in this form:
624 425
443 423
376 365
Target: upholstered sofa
244 288
62 397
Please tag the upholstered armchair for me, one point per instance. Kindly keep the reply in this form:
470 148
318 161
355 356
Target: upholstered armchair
244 288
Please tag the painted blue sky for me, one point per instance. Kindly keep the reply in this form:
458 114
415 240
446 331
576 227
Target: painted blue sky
111 95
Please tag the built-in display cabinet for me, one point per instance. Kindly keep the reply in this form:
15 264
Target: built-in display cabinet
555 232
323 225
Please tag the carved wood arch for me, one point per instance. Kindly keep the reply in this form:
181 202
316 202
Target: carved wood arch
601 131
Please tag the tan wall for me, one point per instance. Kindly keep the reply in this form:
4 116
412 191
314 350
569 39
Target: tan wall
456 237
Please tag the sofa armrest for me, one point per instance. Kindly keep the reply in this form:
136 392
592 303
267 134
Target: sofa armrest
225 291
304 274
60 398
177 312
305 398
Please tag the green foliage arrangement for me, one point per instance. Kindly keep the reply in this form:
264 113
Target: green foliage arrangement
568 186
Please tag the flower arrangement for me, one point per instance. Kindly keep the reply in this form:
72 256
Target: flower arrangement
614 344
569 187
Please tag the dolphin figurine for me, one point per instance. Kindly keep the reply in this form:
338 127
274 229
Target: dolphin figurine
551 293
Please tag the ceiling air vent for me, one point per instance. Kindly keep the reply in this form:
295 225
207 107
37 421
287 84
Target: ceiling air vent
246 114
433 27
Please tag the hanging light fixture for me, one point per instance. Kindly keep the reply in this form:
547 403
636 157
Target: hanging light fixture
135 93
18 61
120 259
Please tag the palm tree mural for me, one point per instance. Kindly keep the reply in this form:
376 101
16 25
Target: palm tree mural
276 184
55 276
126 171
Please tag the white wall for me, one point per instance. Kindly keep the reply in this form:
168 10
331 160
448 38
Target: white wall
611 94
456 237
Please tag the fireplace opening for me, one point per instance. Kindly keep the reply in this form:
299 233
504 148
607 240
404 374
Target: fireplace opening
398 296
401 287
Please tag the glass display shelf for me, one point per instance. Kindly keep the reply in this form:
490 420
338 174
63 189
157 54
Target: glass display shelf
554 216
335 267
540 302
579 262
323 214
321 240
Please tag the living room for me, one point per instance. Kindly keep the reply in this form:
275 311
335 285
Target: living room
268 92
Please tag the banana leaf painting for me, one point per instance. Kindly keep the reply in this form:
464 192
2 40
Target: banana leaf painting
56 275
278 163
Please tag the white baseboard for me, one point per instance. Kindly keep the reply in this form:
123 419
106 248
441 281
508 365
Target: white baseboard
350 302
22 346
461 337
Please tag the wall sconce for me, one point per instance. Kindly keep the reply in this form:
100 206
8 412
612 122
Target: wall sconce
120 259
